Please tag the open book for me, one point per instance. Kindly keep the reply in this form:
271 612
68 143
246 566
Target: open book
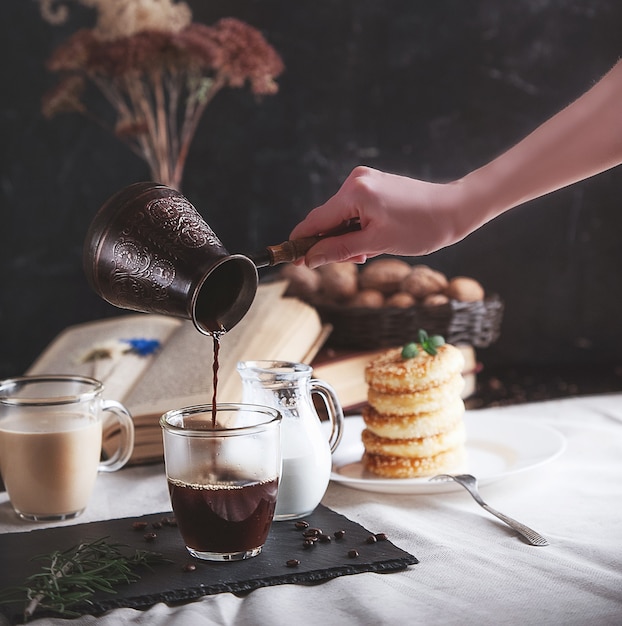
179 373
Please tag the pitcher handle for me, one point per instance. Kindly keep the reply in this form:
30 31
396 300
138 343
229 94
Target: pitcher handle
126 445
333 409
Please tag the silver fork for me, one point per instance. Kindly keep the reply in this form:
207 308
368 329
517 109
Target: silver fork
469 482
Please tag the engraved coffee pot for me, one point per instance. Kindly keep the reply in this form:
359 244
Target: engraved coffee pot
148 249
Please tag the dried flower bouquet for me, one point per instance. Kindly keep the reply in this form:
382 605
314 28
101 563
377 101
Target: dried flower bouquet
158 70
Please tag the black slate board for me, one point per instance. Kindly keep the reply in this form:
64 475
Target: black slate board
170 583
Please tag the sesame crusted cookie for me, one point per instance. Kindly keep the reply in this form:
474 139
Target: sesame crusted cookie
416 447
447 462
391 373
414 412
415 424
426 400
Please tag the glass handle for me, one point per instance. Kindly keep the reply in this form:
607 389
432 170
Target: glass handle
333 409
126 444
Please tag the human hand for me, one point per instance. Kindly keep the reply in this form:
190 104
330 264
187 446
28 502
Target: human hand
398 215
409 217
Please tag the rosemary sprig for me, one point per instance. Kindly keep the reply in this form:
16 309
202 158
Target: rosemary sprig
72 577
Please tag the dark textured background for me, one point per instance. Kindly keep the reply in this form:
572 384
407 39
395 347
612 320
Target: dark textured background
428 89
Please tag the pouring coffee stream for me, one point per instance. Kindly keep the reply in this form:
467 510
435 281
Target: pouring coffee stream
148 249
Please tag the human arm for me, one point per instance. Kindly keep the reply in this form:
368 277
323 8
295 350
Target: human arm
410 217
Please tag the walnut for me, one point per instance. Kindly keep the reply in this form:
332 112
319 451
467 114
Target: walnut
339 280
401 299
464 289
303 281
385 275
423 281
435 299
369 298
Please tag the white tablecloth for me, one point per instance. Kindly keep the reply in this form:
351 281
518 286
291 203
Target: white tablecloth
472 570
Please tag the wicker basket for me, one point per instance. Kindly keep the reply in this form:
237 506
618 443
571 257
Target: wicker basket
475 323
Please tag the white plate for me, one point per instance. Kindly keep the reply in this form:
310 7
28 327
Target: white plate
497 447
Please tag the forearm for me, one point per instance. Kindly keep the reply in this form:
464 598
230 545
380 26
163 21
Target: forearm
405 216
583 139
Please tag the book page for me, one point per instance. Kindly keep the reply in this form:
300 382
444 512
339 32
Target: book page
346 375
73 350
275 327
180 373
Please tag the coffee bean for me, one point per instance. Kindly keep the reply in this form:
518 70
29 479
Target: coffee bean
312 532
169 521
353 553
339 534
293 563
156 525
150 537
324 538
139 525
301 524
189 567
308 543
371 539
381 537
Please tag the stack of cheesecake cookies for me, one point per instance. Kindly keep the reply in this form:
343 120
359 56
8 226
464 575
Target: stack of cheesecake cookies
414 412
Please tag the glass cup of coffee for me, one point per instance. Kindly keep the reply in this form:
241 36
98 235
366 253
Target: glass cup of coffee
223 465
51 443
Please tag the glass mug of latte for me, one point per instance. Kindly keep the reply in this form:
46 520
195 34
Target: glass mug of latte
51 443
223 466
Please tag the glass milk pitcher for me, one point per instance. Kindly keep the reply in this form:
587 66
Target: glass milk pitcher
306 448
